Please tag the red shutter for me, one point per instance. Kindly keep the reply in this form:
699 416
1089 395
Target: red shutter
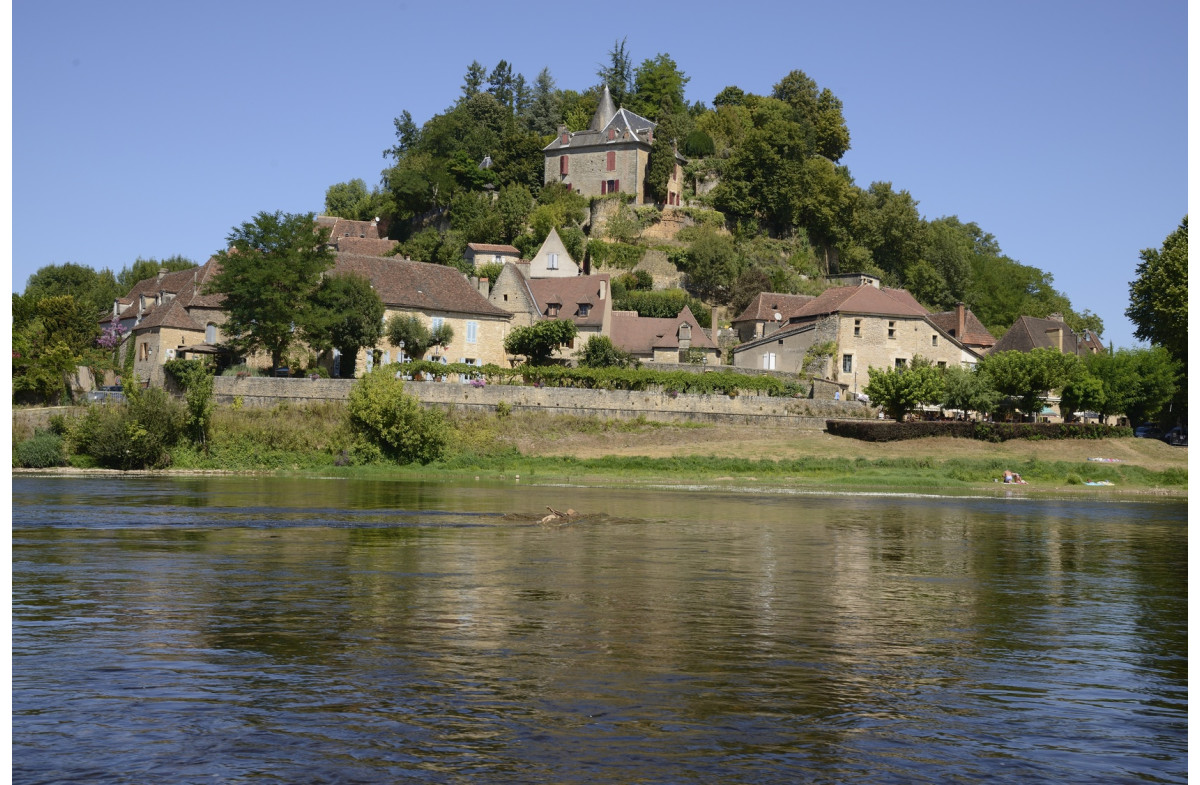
602 185
562 165
617 186
612 160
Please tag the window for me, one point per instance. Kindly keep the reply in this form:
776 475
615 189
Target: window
891 330
612 160
768 360
552 261
210 333
436 322
847 363
552 310
563 166
942 364
585 309
935 340
472 332
145 352
901 363
609 186
858 328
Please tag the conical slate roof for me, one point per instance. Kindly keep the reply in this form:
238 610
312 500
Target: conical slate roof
604 112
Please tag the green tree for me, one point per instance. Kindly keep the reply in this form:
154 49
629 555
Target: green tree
473 80
1158 296
395 421
345 314
819 111
601 352
967 390
618 74
411 333
899 391
538 342
352 200
712 266
1158 381
658 86
268 275
663 304
1081 393
195 377
93 291
660 167
1028 377
545 106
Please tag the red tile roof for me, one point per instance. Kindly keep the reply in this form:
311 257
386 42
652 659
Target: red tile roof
865 299
641 335
569 293
974 333
766 304
419 286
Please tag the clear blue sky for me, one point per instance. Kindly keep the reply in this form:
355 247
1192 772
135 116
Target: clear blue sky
151 129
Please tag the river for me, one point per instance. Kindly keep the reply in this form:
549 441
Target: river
277 630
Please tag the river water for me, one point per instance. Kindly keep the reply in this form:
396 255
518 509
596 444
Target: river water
267 630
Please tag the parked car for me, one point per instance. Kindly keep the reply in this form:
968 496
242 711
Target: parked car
1176 436
1148 430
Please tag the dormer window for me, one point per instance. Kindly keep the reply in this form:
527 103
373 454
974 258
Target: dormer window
585 309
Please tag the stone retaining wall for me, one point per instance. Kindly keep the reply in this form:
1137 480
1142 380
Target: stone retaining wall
743 409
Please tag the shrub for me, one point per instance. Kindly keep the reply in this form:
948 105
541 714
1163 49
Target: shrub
42 451
395 421
138 434
884 431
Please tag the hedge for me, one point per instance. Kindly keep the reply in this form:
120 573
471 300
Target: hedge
890 431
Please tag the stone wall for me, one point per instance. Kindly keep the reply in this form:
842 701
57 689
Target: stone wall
742 409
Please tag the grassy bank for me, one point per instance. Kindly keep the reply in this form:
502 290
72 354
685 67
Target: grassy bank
559 448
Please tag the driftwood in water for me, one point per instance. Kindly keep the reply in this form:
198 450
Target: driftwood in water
558 518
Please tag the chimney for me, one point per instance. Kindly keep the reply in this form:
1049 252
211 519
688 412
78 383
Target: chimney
162 271
116 307
1056 337
483 285
960 311
603 288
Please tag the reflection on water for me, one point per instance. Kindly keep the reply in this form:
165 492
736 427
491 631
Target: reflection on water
238 629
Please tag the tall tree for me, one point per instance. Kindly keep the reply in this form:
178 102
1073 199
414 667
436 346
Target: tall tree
345 314
473 80
501 84
538 342
658 88
618 74
1158 296
1028 377
268 274
819 111
545 112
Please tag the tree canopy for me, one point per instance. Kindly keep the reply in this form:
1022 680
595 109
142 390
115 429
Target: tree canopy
269 273
1158 296
346 314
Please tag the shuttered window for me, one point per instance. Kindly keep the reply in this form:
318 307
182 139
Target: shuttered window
612 160
562 165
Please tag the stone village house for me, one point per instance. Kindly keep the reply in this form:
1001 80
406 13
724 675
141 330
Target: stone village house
868 327
611 156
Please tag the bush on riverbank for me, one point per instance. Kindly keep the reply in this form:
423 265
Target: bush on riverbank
42 451
889 431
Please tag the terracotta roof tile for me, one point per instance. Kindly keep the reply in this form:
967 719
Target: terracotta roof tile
641 335
418 285
571 292
974 333
766 304
865 299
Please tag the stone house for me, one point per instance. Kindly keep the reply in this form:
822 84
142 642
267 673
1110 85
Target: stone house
357 237
168 316
1029 333
759 318
611 156
479 254
438 295
677 340
552 260
962 325
865 327
510 292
